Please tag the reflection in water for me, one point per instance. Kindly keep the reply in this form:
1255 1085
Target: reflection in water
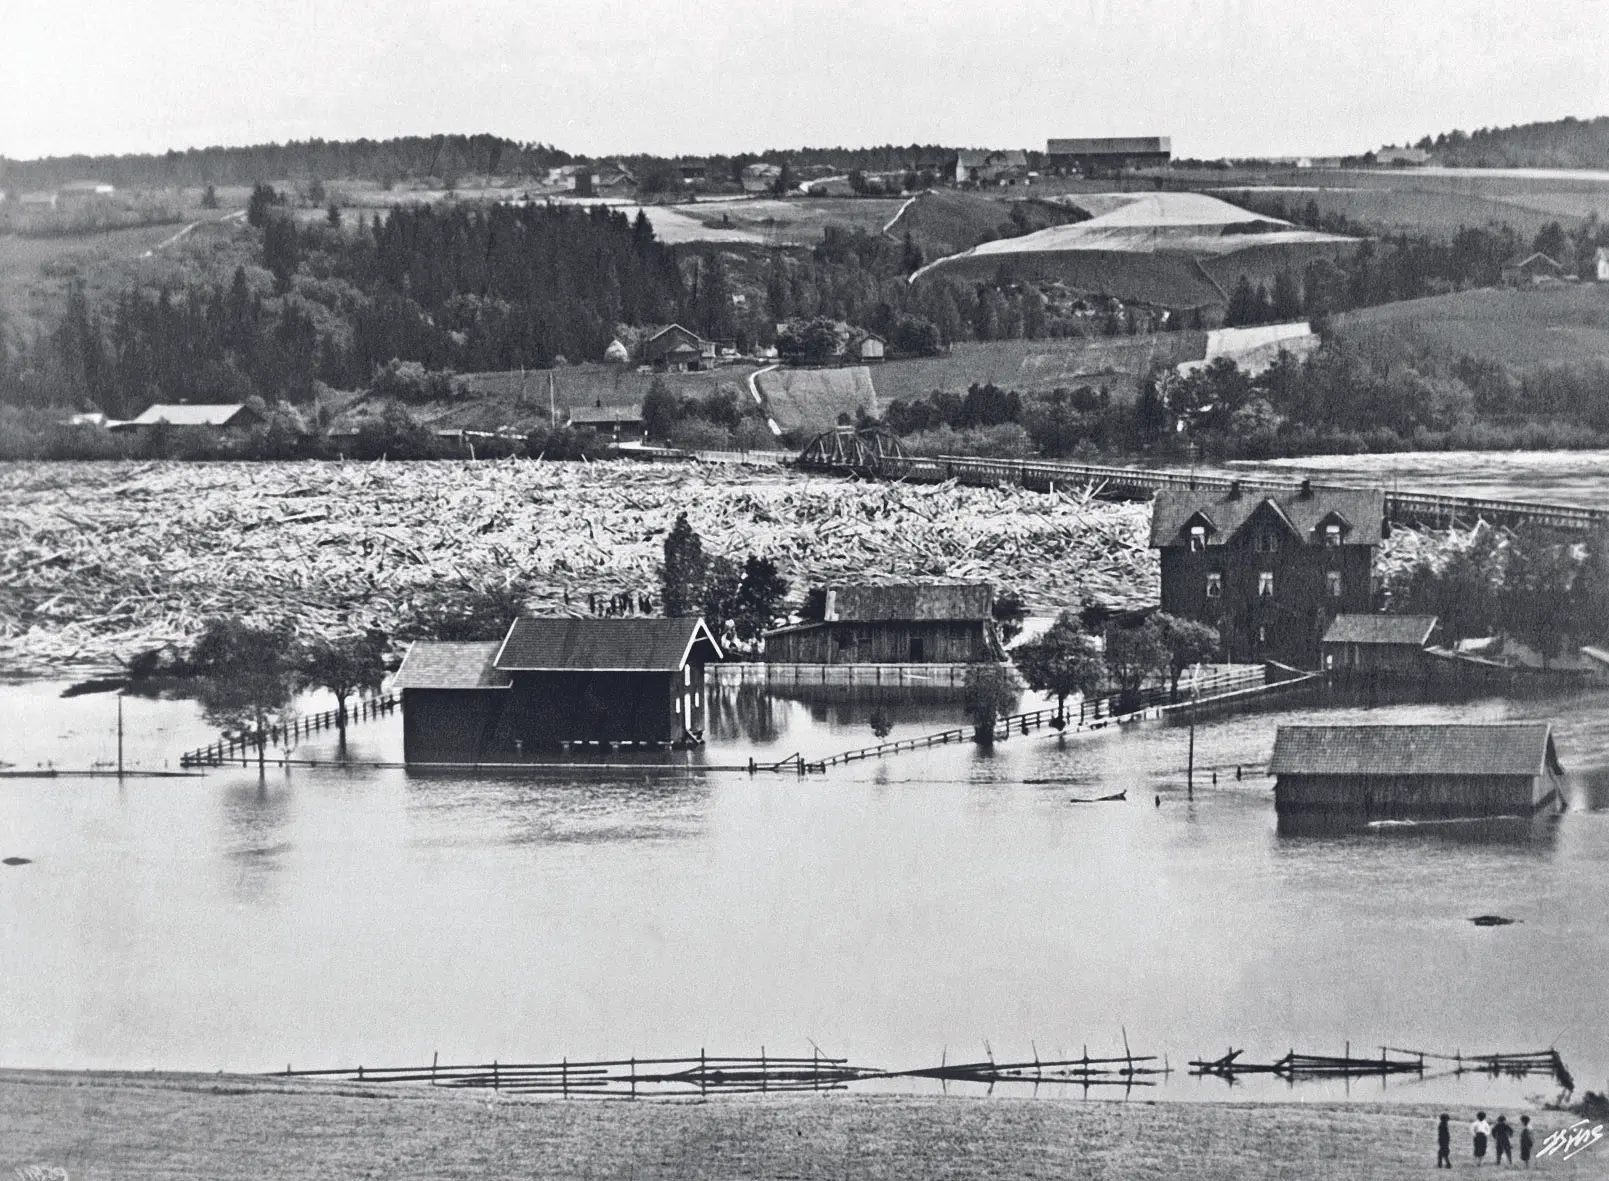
743 711
1588 789
1539 832
256 818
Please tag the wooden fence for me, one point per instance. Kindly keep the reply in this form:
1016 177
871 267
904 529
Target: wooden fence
243 748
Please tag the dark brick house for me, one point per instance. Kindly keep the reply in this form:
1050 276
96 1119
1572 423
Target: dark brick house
553 682
905 623
1268 570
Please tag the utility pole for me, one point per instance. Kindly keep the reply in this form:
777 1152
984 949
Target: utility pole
1190 770
553 413
120 735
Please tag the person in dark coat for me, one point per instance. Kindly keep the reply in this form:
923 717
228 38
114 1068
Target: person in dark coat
1480 1129
1503 1140
1526 1142
1444 1143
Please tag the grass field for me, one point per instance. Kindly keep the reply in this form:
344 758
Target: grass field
947 221
1119 363
1521 328
99 1127
810 400
797 221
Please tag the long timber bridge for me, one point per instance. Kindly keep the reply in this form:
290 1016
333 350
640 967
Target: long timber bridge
1129 483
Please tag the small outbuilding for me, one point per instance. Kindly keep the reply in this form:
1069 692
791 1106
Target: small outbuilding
1377 643
1417 771
194 418
620 423
905 623
553 682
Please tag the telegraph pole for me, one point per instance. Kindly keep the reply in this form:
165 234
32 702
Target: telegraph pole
120 735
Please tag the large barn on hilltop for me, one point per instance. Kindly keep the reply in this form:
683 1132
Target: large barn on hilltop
555 682
1102 156
1268 570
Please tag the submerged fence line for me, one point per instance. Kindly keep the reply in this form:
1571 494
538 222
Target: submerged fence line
246 747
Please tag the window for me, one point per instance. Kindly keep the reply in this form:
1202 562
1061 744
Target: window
687 674
1332 535
1262 635
1198 537
1215 586
1332 584
1265 585
1266 543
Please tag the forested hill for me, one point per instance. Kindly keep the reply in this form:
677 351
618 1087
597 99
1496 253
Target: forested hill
365 159
1564 143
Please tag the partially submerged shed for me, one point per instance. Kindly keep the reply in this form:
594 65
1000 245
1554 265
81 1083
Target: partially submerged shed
901 623
1377 642
1417 771
556 681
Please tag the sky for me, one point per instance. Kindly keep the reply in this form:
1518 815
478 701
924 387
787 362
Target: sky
1222 77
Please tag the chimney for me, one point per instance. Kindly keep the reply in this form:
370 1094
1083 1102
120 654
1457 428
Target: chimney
830 612
1234 490
1306 492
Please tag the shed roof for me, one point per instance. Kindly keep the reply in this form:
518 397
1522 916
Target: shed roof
1380 629
1363 509
451 664
1112 146
605 414
185 414
569 644
1497 748
912 601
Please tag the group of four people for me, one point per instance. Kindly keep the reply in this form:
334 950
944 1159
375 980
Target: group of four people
1500 1135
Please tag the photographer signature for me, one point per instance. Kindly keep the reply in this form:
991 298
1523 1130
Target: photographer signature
1568 1142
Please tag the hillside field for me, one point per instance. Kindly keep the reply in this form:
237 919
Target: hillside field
1118 362
1522 328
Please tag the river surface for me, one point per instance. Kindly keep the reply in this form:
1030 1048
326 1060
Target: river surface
895 911
1545 477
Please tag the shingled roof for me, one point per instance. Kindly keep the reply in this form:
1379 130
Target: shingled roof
912 601
1380 629
1363 510
566 644
449 664
1497 748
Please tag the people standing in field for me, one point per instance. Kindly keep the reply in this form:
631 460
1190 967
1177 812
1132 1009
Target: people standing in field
1480 1129
1526 1142
1444 1132
1503 1139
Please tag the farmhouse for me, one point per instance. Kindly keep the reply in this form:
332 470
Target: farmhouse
1402 157
987 168
1532 270
1268 570
618 422
1417 771
908 623
82 191
674 348
1090 157
1377 643
552 682
605 180
224 418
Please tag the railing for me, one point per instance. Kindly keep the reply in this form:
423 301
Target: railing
1118 483
1091 715
244 747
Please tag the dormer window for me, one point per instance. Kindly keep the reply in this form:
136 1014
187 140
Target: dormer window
1198 538
1332 534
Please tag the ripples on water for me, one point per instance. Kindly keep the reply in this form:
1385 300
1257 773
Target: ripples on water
895 911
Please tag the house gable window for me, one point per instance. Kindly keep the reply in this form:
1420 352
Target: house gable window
1265 584
1265 542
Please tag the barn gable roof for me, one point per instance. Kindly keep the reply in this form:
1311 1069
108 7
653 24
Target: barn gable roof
568 644
1498 748
1380 629
1361 508
912 601
185 414
451 664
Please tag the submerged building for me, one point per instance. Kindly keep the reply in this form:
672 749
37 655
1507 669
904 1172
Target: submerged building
1417 771
903 623
554 682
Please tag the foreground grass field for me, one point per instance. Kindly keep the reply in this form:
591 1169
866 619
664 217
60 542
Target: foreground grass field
105 1126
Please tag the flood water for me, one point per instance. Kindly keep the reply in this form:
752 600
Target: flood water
1545 477
894 911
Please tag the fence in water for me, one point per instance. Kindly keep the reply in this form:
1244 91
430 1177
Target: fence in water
243 748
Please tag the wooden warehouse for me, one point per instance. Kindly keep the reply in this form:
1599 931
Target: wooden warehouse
1417 771
1268 570
1377 643
906 623
554 682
